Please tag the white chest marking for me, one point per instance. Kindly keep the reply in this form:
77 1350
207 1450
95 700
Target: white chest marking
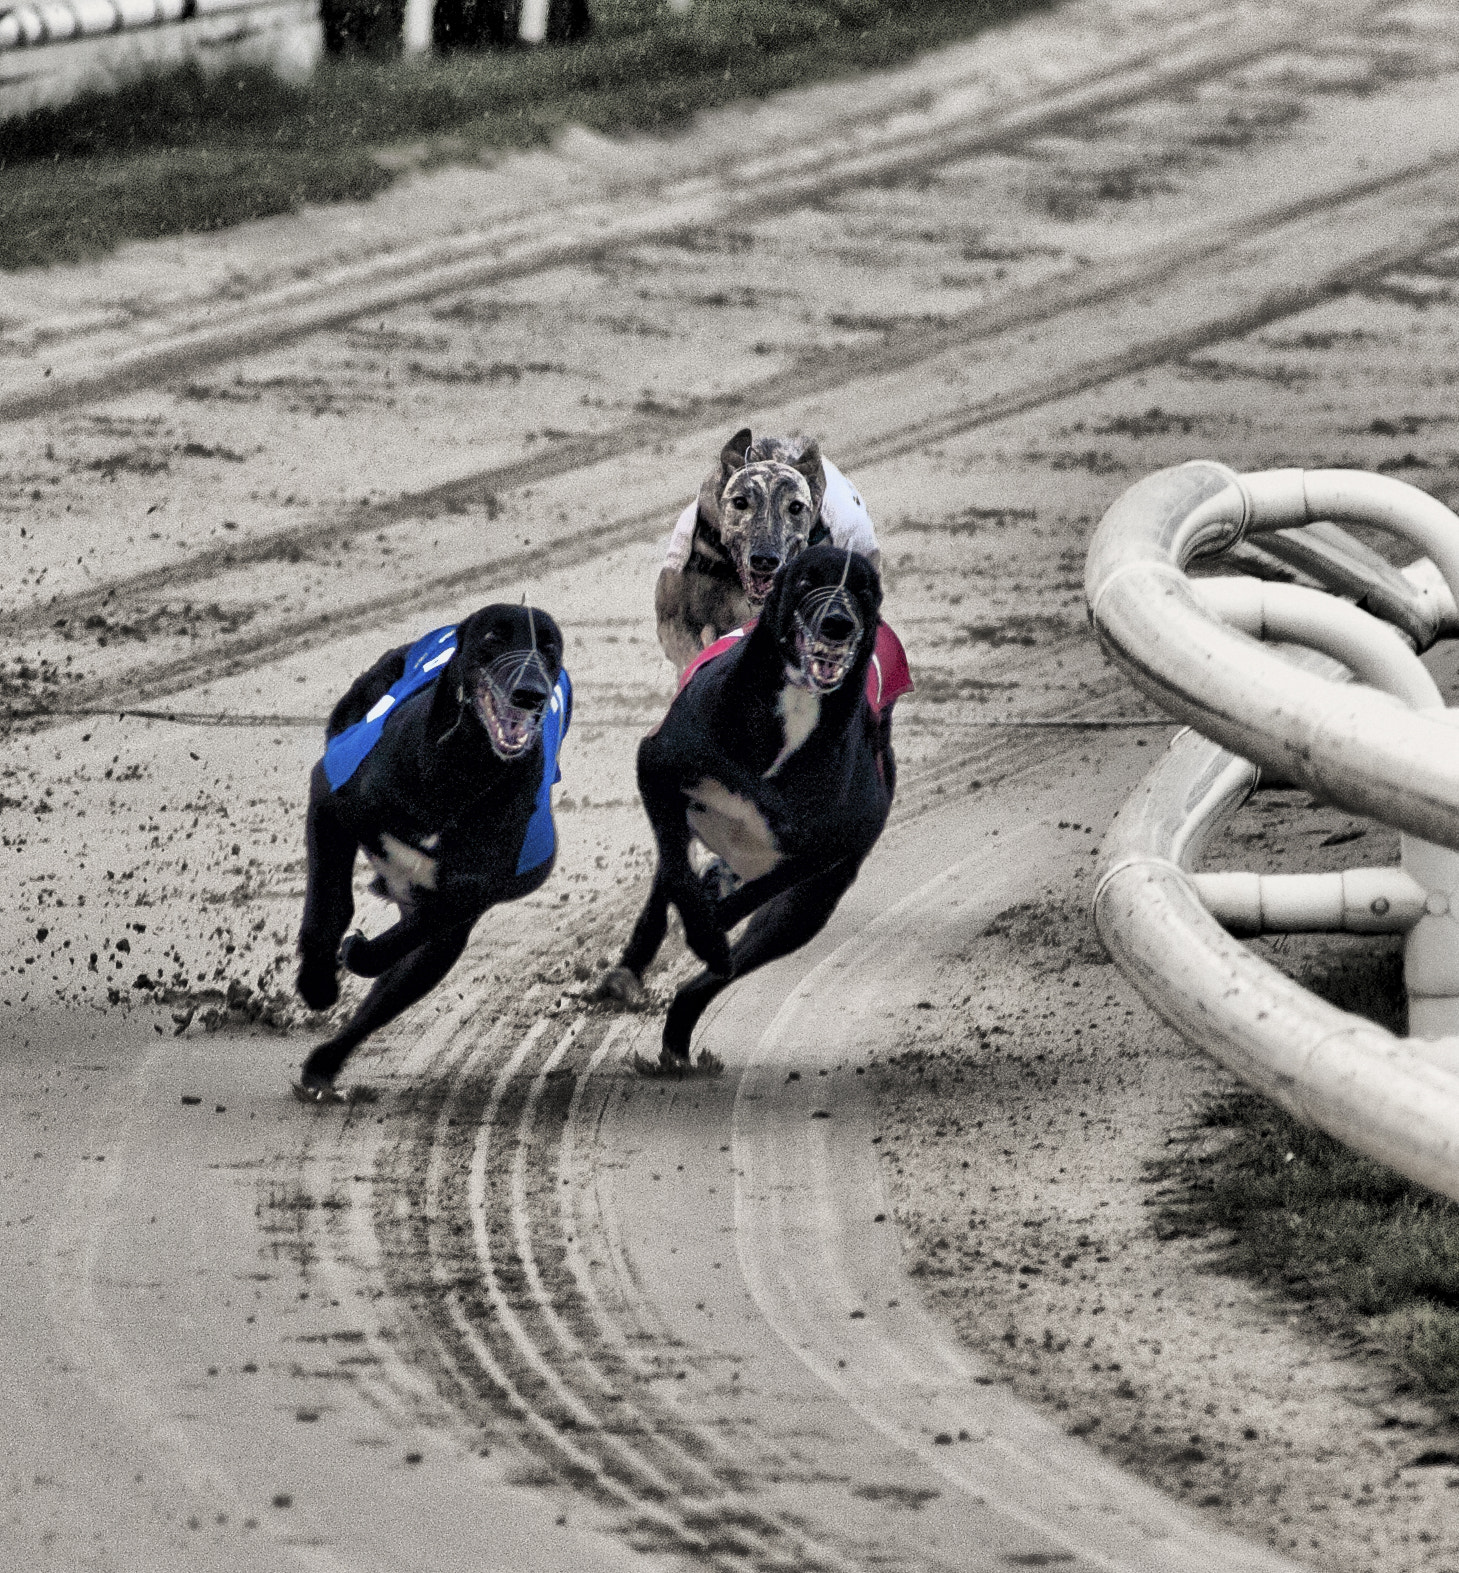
800 710
734 828
403 869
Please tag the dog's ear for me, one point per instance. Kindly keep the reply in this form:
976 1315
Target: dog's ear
732 455
809 465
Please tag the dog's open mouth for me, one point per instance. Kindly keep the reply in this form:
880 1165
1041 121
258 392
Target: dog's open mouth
512 729
757 587
510 700
827 636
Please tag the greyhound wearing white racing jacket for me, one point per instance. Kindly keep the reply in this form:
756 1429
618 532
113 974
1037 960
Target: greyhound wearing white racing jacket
758 508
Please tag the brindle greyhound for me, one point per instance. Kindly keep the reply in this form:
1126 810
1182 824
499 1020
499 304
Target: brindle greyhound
439 763
774 756
764 502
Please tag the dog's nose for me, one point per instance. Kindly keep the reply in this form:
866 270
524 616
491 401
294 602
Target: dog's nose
530 696
763 562
837 627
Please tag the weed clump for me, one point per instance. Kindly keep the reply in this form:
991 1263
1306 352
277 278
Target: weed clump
1367 1249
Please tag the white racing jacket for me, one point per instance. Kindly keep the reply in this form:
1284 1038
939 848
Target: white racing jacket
842 512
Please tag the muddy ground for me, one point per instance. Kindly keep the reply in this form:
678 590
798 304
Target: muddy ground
228 547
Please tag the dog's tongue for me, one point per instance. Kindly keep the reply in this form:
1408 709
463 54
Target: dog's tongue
511 730
515 729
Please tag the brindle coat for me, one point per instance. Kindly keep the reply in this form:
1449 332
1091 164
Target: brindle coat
758 508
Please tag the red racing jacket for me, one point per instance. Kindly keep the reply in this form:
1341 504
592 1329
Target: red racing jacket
888 676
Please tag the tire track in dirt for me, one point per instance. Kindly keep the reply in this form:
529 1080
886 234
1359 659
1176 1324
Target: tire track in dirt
512 1333
495 1233
1402 206
806 1191
1089 313
832 372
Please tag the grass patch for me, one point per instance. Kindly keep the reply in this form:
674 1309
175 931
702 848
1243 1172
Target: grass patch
1300 1213
184 150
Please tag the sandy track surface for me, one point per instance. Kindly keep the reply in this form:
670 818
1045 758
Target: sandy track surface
525 1306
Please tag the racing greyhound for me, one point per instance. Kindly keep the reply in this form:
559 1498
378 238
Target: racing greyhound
776 754
764 502
439 762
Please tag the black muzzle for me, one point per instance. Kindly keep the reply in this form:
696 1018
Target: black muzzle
828 630
510 699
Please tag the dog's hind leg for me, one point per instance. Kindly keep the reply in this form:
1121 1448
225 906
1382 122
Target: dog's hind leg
407 981
373 958
781 926
329 901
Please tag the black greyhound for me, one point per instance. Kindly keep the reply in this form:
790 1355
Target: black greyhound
439 762
777 755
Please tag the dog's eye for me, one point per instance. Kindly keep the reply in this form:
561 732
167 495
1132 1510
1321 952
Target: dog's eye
740 502
796 509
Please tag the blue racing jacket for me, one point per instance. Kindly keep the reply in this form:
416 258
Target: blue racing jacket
346 751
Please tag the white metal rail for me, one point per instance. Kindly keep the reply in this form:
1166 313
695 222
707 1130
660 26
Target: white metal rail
1382 745
51 50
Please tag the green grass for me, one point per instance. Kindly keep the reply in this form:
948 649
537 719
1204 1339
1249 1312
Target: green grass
186 151
1302 1214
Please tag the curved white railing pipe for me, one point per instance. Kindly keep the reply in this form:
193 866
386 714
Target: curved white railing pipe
1415 600
1370 650
1392 755
1350 744
1381 1095
1413 899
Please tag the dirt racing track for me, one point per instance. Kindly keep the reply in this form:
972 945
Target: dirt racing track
519 1306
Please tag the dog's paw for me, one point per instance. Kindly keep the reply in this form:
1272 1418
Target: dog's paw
317 983
353 954
664 1065
621 985
315 1089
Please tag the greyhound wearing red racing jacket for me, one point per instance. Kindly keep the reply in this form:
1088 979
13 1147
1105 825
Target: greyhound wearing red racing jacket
774 755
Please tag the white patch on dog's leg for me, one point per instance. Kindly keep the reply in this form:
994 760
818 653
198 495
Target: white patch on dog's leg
800 711
403 869
733 827
707 636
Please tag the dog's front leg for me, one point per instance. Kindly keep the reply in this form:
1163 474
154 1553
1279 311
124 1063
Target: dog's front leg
461 897
406 981
662 784
329 901
677 638
739 904
625 981
703 930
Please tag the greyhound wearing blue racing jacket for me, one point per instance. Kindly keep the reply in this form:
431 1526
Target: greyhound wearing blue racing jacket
439 763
